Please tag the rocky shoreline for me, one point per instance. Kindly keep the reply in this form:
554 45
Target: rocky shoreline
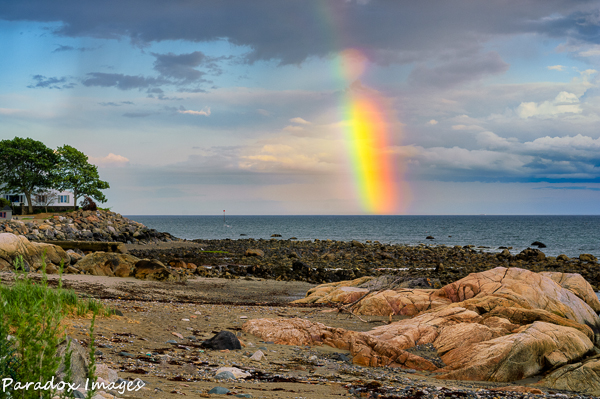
317 262
85 226
325 261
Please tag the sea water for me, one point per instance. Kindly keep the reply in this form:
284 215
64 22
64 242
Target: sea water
569 235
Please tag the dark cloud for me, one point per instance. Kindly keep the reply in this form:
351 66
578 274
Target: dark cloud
175 69
127 102
137 114
120 81
580 26
568 188
458 71
174 109
50 83
160 94
110 104
194 90
62 48
293 30
180 67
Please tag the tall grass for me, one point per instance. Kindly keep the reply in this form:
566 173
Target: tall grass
32 313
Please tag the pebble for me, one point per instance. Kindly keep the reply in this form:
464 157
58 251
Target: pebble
257 356
219 391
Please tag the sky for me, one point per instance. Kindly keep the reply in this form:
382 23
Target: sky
314 107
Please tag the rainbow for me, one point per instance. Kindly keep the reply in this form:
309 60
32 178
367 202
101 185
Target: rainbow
368 129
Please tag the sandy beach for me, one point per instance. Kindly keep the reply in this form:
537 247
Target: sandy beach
158 340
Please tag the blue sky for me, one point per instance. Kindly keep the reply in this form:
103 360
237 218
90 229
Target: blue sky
192 107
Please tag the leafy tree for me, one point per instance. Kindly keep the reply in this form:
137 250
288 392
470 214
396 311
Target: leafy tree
26 165
45 198
78 175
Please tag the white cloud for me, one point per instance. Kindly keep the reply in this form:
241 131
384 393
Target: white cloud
563 103
492 141
589 72
578 147
294 154
27 113
263 112
466 127
291 128
10 111
432 122
205 112
300 121
592 52
556 67
111 159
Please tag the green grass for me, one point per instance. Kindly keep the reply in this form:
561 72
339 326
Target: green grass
32 313
215 252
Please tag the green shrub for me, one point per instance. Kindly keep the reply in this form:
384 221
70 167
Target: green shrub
34 312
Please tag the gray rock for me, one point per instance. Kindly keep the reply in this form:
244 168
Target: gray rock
79 361
257 356
154 270
225 375
219 391
106 373
223 340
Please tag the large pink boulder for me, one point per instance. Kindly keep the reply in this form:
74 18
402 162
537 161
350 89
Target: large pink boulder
577 285
498 325
536 347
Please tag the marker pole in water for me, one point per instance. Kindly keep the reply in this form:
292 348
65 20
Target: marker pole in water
223 215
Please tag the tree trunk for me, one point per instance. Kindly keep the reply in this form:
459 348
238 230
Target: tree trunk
75 196
29 204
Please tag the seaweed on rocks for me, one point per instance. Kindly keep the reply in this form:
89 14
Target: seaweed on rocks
326 261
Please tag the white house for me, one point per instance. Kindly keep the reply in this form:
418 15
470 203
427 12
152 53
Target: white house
6 213
47 198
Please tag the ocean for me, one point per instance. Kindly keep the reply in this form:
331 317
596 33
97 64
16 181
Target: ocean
569 235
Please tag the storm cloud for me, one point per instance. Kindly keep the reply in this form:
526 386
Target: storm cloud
292 31
120 81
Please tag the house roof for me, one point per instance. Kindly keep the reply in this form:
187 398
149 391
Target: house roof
7 208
